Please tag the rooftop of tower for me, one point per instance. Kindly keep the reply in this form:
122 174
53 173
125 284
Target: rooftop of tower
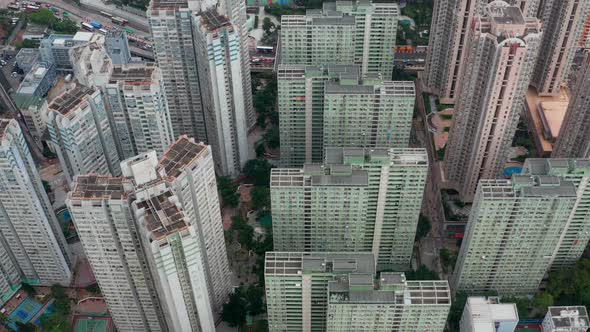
161 215
213 20
133 73
179 155
528 186
97 187
69 100
296 263
403 156
389 288
167 4
556 166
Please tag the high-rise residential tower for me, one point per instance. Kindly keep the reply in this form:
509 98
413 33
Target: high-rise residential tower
574 136
81 133
501 50
171 25
562 25
197 75
333 105
138 110
576 233
513 230
359 200
33 248
217 41
101 211
342 32
188 167
328 291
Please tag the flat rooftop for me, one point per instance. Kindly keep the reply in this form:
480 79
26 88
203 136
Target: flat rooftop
544 129
180 155
98 187
132 73
556 166
486 312
167 4
297 263
398 156
336 88
569 317
506 14
161 216
213 20
69 100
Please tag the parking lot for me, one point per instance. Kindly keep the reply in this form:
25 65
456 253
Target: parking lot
10 83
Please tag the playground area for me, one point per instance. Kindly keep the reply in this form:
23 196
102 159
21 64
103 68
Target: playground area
28 311
528 328
92 324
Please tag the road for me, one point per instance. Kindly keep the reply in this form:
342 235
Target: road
430 246
90 10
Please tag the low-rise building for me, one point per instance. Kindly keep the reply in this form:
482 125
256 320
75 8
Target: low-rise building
38 81
26 58
34 111
34 31
566 319
488 315
55 48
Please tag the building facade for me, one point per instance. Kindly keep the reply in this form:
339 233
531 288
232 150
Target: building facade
488 315
352 32
576 234
138 110
574 136
497 73
333 106
217 43
33 247
321 291
55 49
513 230
562 26
359 200
104 220
81 134
188 167
117 47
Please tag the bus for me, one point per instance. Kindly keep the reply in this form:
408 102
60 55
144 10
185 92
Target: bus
66 15
118 20
13 7
106 14
129 31
102 31
87 26
265 49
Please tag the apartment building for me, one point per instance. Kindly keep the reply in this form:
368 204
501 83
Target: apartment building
338 291
498 69
33 248
138 110
576 234
81 134
513 230
334 106
222 92
342 32
358 200
483 314
562 26
574 136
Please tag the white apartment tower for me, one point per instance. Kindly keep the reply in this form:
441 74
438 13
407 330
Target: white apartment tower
81 133
358 200
188 167
171 25
488 315
512 232
138 110
562 25
576 233
33 247
501 50
574 136
101 211
217 44
566 319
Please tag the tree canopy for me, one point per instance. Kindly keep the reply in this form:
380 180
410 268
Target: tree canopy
424 227
260 198
45 17
228 191
258 172
245 300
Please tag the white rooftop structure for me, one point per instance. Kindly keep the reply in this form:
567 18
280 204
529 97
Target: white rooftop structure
488 315
83 36
566 319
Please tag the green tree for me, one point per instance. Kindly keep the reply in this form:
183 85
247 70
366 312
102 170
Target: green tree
258 172
27 43
260 149
30 290
260 198
43 17
423 228
272 138
228 191
254 296
522 305
25 327
457 306
65 26
543 300
93 289
46 186
245 231
267 25
235 310
422 273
